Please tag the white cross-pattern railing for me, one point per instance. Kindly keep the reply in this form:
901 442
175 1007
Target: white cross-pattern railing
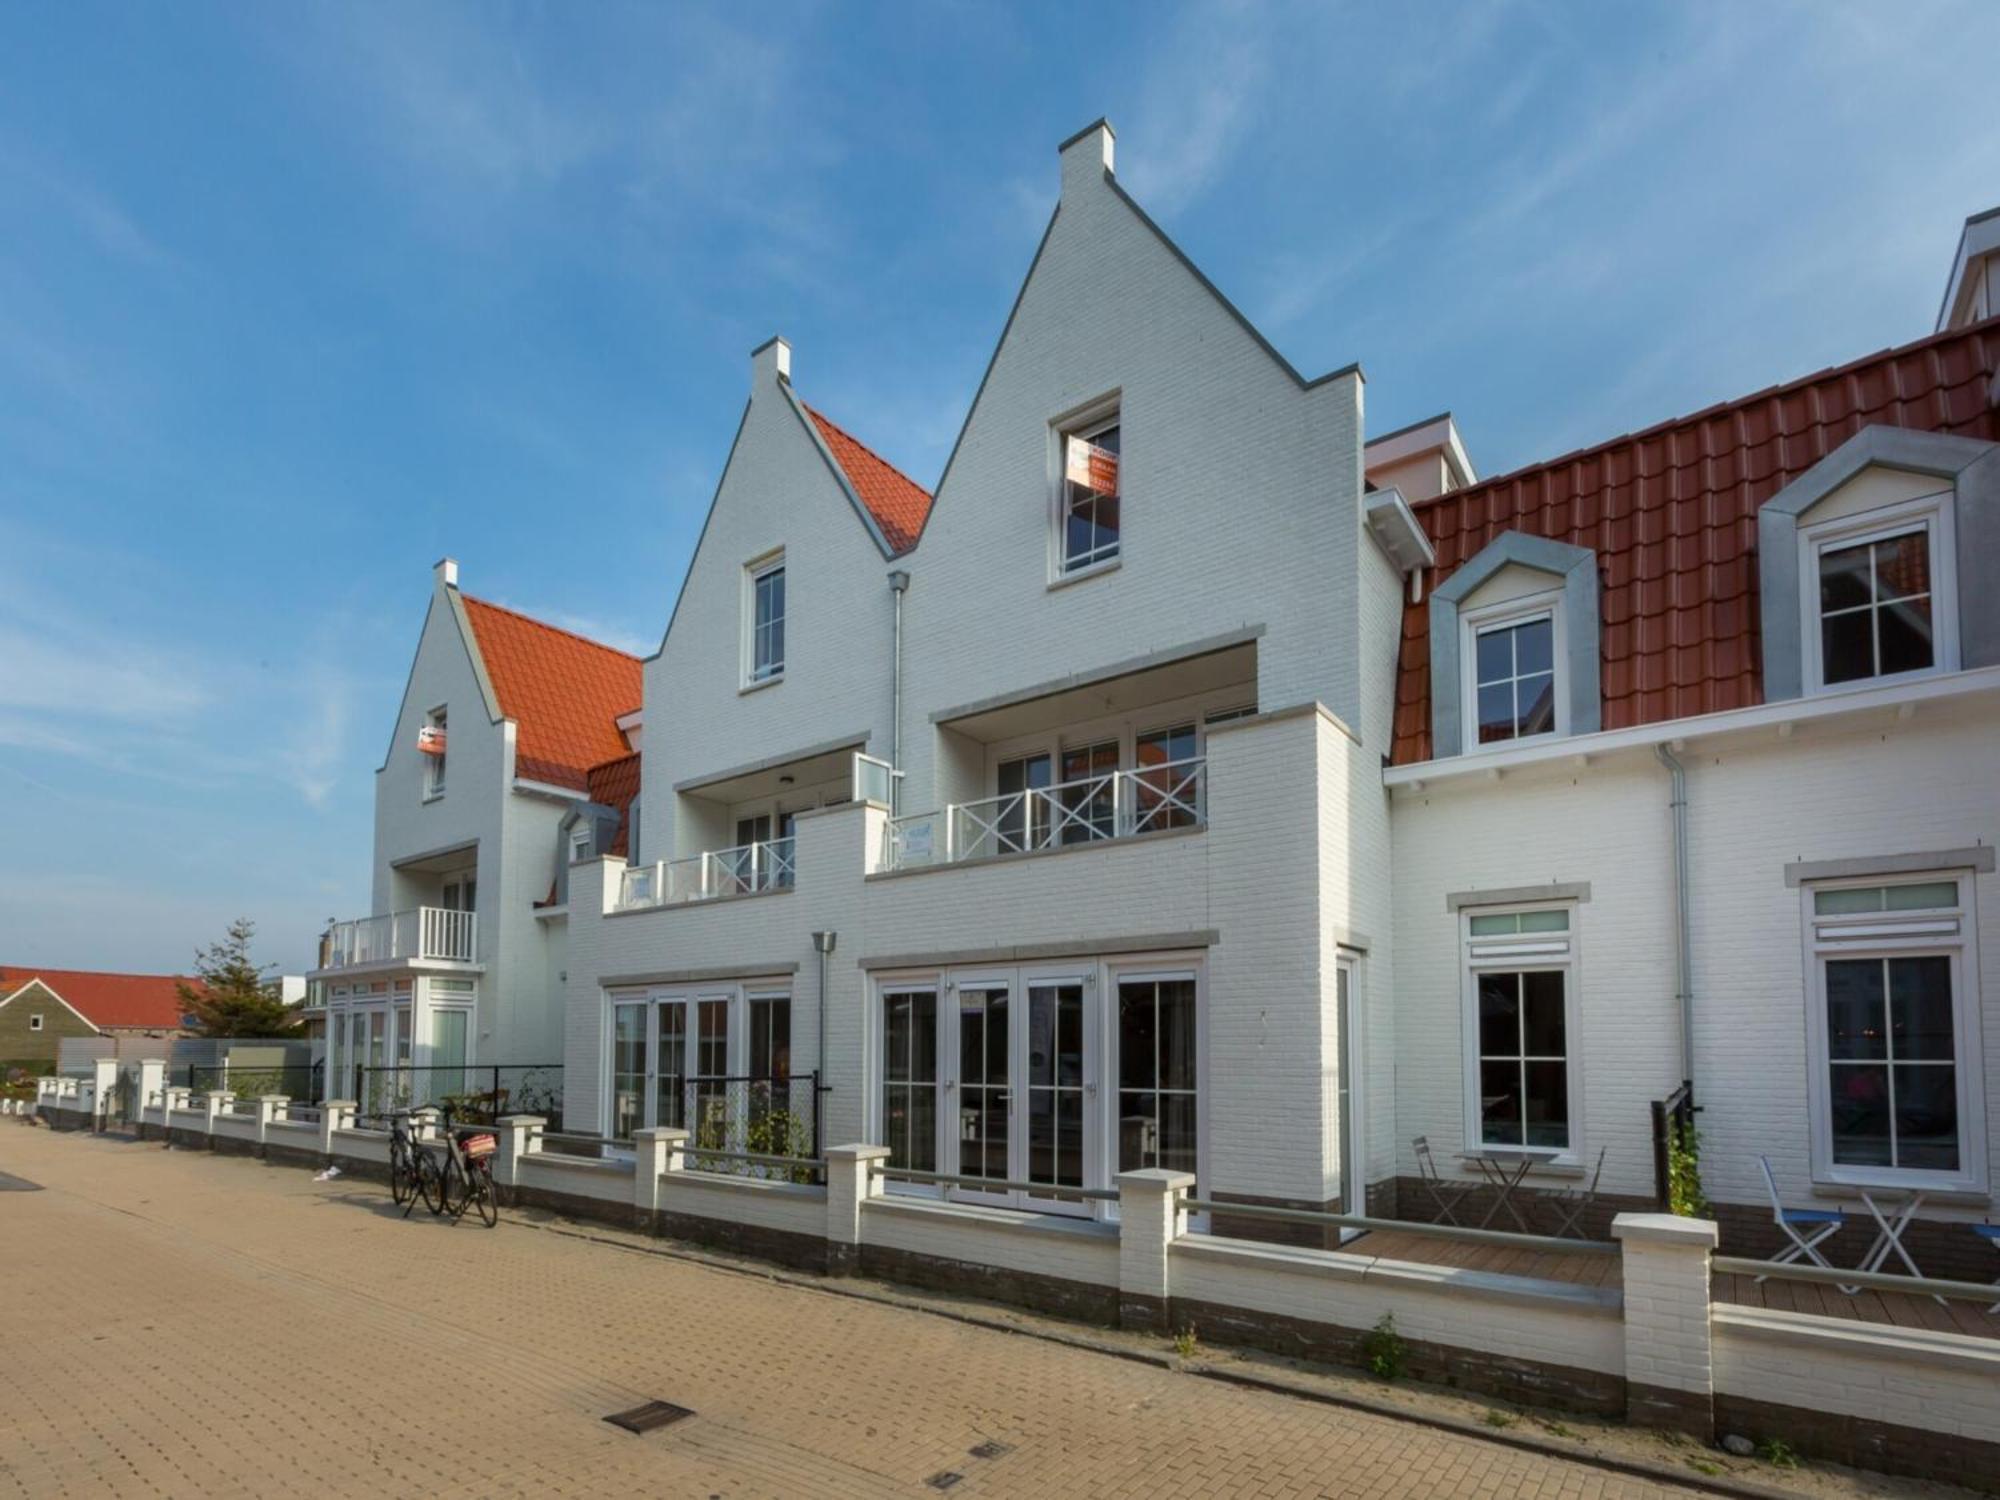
1090 810
745 870
431 933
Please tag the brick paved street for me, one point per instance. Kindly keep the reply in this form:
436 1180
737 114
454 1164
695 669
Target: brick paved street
181 1324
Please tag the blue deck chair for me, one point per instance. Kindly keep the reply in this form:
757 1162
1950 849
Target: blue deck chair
1991 1234
1806 1228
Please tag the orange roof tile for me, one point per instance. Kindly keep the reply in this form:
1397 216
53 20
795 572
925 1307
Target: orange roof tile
615 784
1672 515
147 1002
898 503
564 693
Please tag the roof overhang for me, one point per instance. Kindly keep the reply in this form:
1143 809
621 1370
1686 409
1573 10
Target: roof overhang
1438 434
1392 523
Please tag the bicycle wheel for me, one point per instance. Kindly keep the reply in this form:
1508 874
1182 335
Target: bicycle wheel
402 1183
430 1185
457 1190
486 1194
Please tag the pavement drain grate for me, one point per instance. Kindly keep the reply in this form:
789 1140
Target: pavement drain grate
945 1480
654 1414
990 1449
17 1184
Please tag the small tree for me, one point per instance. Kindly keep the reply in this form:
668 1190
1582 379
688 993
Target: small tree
232 996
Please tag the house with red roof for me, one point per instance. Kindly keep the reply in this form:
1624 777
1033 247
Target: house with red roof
39 1007
490 783
1194 779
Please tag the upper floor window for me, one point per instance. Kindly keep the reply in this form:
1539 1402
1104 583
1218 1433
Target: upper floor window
579 843
35 1021
1875 598
764 653
1511 665
1088 517
431 741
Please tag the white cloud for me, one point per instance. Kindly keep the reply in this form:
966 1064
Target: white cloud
1198 100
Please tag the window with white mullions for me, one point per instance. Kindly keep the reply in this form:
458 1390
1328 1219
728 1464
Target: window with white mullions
1089 792
909 1078
1875 607
1157 1112
984 1101
1523 1059
1514 686
767 622
1166 789
1090 495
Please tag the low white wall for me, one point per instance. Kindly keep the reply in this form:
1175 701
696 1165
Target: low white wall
1938 1382
578 1176
237 1127
789 1207
291 1133
1518 1317
362 1145
1044 1245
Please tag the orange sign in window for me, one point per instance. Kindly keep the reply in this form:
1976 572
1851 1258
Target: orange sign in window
1092 467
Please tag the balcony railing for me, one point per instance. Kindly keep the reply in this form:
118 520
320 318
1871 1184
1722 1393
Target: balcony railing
1093 810
428 932
746 870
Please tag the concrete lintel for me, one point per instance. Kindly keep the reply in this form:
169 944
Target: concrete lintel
1206 937
1519 895
700 976
1979 858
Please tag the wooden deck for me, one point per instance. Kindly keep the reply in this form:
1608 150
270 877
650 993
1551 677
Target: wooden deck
1898 1309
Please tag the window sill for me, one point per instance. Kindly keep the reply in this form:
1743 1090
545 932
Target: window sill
1095 570
1884 680
437 796
758 687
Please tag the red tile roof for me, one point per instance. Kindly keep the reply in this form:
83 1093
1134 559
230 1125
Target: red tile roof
615 784
564 693
146 1002
1672 514
898 503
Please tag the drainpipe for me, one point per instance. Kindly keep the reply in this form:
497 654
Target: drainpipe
1683 963
822 945
899 585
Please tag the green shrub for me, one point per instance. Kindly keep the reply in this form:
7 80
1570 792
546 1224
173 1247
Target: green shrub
1383 1349
1684 1194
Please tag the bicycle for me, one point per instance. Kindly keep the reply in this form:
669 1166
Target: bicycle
466 1178
407 1159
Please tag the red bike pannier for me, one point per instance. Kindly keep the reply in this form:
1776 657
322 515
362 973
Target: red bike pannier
476 1146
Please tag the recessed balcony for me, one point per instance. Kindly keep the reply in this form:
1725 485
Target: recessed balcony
424 934
745 870
1090 810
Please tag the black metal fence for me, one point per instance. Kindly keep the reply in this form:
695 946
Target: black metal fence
475 1095
1673 1118
303 1082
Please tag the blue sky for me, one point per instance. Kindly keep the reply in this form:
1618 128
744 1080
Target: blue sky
295 299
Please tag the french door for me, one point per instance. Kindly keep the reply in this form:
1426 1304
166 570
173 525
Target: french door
1018 1055
670 1066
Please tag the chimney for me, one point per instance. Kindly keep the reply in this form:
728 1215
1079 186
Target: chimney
447 572
769 361
1086 156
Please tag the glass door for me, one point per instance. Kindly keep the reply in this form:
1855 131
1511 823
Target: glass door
1353 1169
980 1101
630 1056
1057 1052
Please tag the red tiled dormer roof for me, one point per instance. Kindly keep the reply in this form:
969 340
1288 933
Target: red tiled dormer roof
615 784
1672 514
563 692
898 503
148 1002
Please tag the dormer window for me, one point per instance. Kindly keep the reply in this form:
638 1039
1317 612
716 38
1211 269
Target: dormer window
764 644
1877 580
1513 672
1088 512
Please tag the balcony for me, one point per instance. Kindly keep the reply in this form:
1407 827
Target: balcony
746 870
1093 810
426 934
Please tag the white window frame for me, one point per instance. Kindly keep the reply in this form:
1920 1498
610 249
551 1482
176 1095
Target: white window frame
1473 623
35 1021
437 717
1100 978
1526 953
754 572
1935 932
580 840
1932 513
1086 422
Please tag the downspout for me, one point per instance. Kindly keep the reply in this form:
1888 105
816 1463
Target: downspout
899 584
1683 963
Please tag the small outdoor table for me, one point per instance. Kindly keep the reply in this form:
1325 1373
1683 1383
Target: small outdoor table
1889 1234
1504 1171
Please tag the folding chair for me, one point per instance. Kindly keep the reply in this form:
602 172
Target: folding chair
1991 1234
1572 1203
1824 1224
1446 1195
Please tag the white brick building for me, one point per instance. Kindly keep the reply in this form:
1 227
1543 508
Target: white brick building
1197 782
